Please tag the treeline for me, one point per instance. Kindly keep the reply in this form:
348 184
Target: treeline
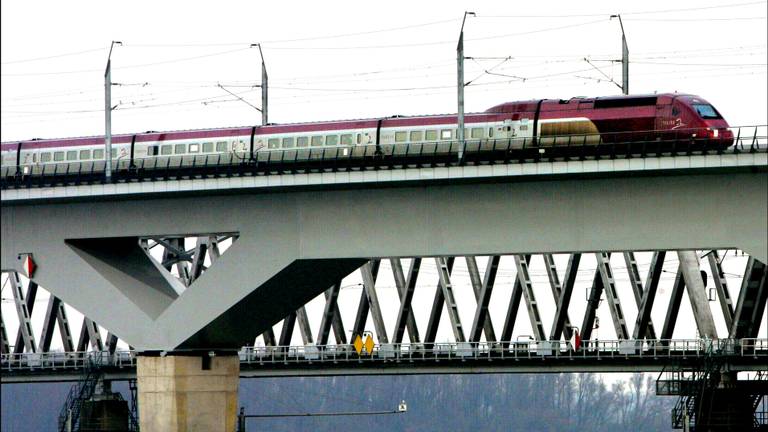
543 402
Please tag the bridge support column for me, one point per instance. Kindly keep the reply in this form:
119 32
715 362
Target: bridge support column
188 393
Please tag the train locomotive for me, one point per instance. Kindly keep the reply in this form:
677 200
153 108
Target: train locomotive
542 125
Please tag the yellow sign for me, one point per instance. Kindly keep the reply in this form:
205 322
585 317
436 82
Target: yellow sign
358 344
369 344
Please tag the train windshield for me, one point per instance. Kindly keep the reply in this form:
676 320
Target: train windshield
706 111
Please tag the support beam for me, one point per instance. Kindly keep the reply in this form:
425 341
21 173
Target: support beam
752 300
482 319
674 305
111 344
269 337
514 306
564 299
364 306
49 323
22 311
5 347
437 303
369 287
593 302
643 324
452 307
90 332
483 289
286 333
329 312
697 293
304 328
637 287
530 299
405 317
614 304
721 284
30 303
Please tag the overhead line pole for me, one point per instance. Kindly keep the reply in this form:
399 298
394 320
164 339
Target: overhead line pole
108 114
264 87
624 58
460 85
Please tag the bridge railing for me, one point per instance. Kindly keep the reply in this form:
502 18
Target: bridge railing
611 145
517 350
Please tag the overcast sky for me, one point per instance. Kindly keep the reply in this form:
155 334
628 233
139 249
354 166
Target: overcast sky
338 60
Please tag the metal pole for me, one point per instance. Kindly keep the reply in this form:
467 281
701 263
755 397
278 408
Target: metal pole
264 87
108 115
624 58
460 85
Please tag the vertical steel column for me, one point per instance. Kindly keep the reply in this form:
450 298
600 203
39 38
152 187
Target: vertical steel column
721 284
752 300
437 303
530 299
363 305
30 302
482 319
697 294
614 304
514 306
674 305
561 322
405 317
369 287
643 324
25 323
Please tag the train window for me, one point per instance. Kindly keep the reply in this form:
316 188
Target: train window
58 156
114 153
346 139
208 147
72 155
675 111
401 136
98 154
221 146
152 150
477 133
180 148
706 111
416 135
431 135
194 148
45 157
446 134
166 149
302 141
273 143
331 140
622 102
359 138
490 132
34 157
85 154
317 141
288 142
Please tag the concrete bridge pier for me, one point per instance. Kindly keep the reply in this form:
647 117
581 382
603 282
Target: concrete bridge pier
188 392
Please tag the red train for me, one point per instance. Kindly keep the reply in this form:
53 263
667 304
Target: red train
544 124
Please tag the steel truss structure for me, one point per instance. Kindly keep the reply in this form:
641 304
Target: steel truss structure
186 259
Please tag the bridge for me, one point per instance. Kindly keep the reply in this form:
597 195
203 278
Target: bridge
195 268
